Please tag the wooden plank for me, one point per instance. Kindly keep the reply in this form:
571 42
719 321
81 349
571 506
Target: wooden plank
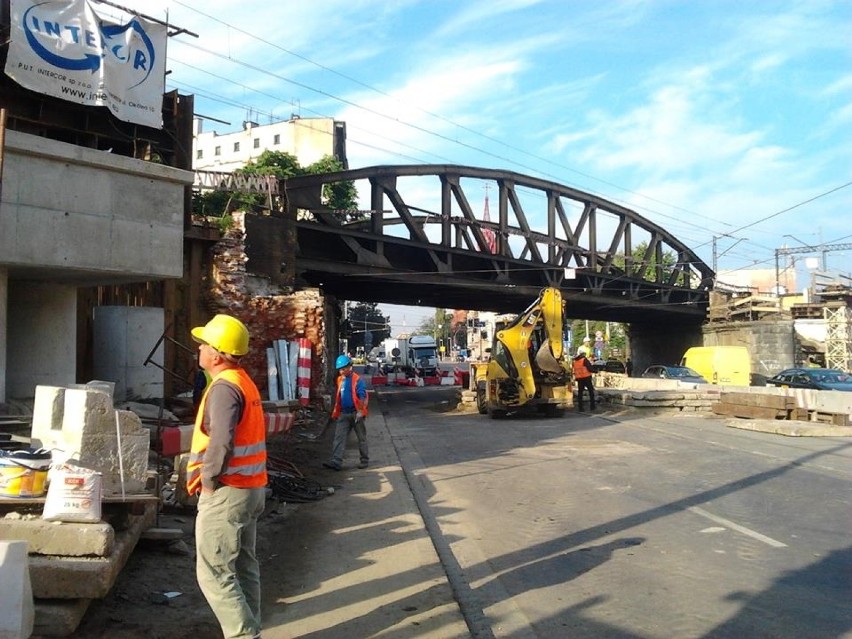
759 400
836 419
751 412
109 499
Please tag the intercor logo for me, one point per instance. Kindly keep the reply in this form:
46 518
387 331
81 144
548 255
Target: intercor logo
65 49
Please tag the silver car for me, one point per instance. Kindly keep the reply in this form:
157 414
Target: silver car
679 373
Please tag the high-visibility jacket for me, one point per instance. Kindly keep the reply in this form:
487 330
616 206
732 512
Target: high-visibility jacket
360 404
246 466
581 371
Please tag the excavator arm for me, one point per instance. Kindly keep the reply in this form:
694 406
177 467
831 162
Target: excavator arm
527 348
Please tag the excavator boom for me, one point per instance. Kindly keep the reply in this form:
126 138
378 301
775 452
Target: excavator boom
527 365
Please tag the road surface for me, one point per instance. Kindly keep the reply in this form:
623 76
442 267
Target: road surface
631 526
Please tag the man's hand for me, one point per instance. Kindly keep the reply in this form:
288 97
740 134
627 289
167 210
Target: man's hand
359 415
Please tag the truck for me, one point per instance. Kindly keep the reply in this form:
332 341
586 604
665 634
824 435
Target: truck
527 368
416 354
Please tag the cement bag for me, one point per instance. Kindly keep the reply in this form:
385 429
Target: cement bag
74 494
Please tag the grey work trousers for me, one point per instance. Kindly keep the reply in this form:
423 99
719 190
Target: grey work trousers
345 423
226 565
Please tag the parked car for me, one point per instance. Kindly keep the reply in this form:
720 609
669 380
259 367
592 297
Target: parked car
816 378
615 366
679 373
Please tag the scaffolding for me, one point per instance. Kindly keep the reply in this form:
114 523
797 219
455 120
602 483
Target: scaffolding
837 336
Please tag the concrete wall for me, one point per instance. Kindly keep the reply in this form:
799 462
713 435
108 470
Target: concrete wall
79 217
42 337
69 207
4 306
772 343
123 338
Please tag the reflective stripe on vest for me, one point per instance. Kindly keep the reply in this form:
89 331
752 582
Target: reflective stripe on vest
246 465
360 405
580 370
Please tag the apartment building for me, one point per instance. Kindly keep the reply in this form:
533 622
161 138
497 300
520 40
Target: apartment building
308 139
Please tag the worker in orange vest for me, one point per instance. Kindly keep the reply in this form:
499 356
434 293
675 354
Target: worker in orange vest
349 413
583 374
227 469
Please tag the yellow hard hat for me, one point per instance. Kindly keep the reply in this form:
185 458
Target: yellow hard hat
224 333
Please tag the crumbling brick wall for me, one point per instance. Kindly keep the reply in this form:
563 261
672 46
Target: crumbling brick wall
268 314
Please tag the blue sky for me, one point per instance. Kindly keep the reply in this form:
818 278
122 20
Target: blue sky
708 117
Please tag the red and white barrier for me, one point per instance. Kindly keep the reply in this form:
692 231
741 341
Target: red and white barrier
279 423
446 378
303 373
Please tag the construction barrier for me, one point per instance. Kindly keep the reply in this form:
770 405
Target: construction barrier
446 378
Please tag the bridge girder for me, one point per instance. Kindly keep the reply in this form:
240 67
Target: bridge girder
422 243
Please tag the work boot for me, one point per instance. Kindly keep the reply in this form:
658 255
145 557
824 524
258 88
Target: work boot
364 463
331 465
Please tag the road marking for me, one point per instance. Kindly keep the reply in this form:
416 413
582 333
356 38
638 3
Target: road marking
746 531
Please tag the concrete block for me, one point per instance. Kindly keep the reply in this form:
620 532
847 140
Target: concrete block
48 412
87 435
88 411
87 578
59 617
60 538
16 605
100 452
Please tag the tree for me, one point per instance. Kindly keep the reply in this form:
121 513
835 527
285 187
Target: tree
339 196
617 340
367 326
668 261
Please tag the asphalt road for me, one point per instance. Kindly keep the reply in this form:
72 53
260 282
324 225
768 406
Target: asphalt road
631 526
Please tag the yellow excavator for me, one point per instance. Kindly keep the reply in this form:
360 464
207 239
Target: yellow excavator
526 368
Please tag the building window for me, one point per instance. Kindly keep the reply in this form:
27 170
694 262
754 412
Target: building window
199 154
277 139
257 143
217 150
236 147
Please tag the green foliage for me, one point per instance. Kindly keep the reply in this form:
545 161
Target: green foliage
617 336
277 163
668 261
339 195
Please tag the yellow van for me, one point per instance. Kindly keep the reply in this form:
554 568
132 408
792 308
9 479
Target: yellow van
724 365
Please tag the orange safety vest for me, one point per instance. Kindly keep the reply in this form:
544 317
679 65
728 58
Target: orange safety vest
580 370
360 405
246 467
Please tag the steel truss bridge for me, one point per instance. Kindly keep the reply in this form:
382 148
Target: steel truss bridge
423 242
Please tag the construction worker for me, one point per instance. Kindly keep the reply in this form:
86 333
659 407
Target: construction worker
227 468
586 348
583 374
350 411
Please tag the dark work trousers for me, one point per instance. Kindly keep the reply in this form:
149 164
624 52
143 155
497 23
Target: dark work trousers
585 383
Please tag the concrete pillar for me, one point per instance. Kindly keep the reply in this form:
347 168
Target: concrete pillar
17 612
661 343
4 305
42 342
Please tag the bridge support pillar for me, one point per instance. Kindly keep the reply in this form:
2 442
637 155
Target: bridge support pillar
659 343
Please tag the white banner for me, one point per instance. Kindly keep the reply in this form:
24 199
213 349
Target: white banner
64 49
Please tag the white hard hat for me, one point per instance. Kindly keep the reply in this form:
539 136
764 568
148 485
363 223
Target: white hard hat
587 339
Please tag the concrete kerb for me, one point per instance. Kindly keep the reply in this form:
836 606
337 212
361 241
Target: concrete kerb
790 428
384 575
